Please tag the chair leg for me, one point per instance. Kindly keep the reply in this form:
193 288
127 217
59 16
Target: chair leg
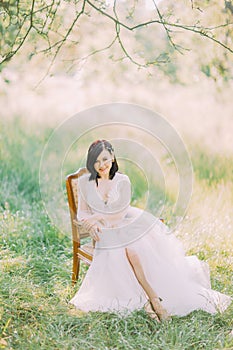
76 265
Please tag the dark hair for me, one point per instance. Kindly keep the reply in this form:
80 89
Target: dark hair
93 152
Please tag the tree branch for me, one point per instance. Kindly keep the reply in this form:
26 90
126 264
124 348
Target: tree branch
11 54
42 21
194 29
85 58
61 42
166 29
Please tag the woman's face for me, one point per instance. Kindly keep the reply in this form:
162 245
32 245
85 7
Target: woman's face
103 164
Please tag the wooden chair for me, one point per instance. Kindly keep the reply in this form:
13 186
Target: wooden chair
80 252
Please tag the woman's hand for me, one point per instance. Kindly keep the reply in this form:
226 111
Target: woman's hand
92 228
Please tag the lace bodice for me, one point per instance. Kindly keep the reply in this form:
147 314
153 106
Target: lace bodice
112 208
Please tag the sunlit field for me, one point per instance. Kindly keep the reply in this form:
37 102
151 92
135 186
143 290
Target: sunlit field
36 258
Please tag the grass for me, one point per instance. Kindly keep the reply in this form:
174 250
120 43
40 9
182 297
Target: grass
212 167
36 263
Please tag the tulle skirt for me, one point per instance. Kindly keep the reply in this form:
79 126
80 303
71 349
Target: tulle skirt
110 285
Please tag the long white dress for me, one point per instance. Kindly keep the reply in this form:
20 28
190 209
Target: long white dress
183 282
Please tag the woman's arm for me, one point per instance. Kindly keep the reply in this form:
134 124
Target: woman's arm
88 219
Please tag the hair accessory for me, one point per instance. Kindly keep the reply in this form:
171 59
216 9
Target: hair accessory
110 149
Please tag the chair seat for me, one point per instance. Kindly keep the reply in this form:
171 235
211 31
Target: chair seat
85 252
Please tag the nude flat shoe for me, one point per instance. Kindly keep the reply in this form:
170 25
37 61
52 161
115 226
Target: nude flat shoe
150 311
159 309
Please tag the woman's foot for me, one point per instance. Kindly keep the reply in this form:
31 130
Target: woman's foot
159 309
150 311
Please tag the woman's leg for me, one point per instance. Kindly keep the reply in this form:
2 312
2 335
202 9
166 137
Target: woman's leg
139 273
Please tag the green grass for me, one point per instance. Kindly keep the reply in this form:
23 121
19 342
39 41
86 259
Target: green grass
36 265
212 168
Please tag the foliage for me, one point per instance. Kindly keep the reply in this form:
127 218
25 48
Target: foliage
144 35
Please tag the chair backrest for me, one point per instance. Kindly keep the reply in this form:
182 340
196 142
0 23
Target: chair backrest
72 194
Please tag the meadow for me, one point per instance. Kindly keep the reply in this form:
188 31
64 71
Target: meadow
36 260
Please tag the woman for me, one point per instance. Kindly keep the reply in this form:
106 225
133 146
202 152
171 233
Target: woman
136 263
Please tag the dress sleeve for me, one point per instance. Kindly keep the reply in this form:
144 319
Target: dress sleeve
84 211
120 197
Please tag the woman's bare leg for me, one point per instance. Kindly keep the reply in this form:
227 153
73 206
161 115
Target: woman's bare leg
139 273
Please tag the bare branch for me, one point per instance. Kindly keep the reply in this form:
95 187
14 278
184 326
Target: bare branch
118 29
43 21
109 16
85 58
61 42
166 29
194 7
202 31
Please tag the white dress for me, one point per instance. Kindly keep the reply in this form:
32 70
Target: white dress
183 282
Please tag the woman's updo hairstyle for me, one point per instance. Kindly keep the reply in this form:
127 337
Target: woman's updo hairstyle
93 152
